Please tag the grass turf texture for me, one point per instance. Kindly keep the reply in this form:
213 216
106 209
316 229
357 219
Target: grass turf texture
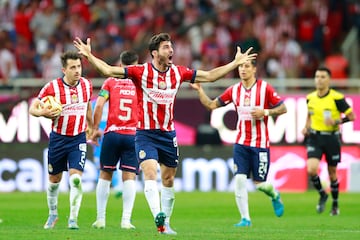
196 216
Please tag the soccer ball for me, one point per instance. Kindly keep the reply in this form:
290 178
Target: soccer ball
50 102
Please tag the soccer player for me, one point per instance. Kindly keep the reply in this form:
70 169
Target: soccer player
157 83
255 101
118 143
325 109
67 140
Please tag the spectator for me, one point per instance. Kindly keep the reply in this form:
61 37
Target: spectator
22 19
289 52
44 24
51 66
8 67
26 58
7 12
307 24
211 51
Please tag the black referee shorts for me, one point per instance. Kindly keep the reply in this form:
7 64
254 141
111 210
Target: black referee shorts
328 143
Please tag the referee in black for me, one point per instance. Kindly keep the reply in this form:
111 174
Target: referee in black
327 109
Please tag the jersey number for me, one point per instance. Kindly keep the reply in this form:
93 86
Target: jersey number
124 107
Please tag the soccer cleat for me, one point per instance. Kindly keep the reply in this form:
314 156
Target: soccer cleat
278 205
322 201
99 224
335 211
243 223
51 221
168 230
72 224
127 226
160 222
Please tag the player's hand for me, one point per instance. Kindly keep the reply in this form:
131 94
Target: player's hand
241 58
95 136
84 49
257 113
50 113
195 86
305 131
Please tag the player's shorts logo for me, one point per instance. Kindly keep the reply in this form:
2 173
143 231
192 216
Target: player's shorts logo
50 167
82 147
235 168
142 154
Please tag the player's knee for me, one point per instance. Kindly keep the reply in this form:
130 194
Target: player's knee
75 180
53 186
240 180
312 171
168 180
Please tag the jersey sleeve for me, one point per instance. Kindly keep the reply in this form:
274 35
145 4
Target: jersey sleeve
226 97
187 74
46 90
133 72
273 98
341 103
343 106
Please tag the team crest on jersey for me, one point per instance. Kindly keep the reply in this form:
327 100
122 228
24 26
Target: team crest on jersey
162 85
247 101
142 154
50 167
74 98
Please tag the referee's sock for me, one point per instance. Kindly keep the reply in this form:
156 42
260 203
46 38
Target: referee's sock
317 184
334 186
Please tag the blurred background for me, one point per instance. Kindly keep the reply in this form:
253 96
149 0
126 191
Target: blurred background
292 38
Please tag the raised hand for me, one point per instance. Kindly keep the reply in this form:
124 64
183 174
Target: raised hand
84 49
241 58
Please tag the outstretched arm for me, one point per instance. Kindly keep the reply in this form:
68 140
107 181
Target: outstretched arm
100 65
204 99
219 72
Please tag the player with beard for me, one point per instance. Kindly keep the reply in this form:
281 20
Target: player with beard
157 83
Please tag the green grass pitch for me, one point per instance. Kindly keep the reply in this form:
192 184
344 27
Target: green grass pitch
197 215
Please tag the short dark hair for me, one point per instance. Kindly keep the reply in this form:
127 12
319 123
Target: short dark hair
323 68
69 55
128 58
155 41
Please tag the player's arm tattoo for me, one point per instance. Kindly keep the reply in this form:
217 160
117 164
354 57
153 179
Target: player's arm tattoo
281 109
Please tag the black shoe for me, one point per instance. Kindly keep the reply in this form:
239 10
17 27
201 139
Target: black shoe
335 211
322 201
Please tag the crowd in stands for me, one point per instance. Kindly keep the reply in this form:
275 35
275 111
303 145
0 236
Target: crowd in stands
292 37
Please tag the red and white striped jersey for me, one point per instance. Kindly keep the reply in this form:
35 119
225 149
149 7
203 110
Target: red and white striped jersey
122 114
261 95
156 92
74 100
